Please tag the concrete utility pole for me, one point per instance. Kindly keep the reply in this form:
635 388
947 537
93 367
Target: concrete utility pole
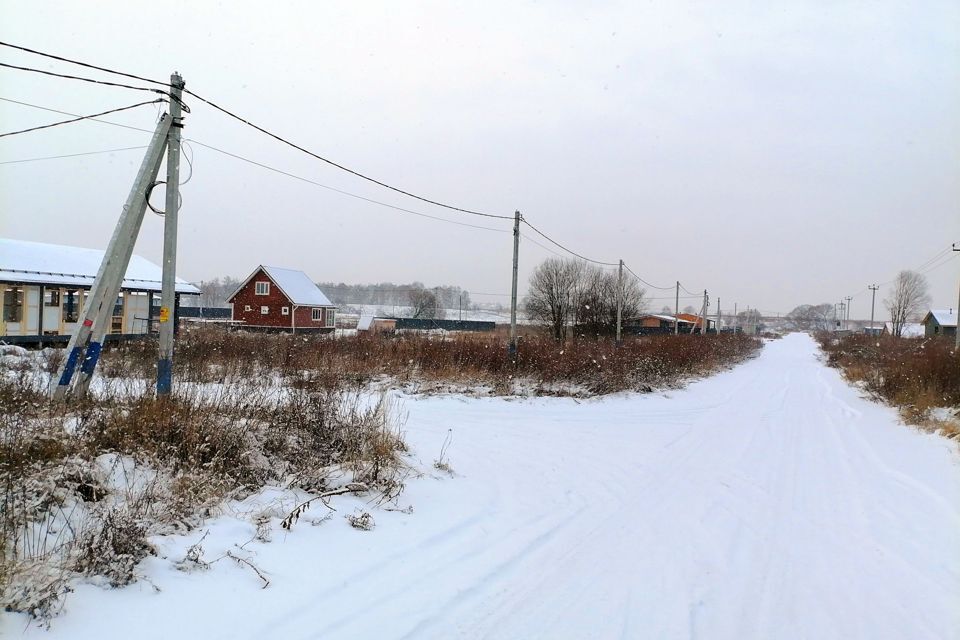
848 298
957 341
843 315
719 315
512 347
168 286
676 312
873 300
87 339
736 317
704 324
619 303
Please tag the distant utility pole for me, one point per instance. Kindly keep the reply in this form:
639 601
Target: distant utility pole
873 300
704 324
736 317
512 347
843 315
719 315
168 284
676 312
849 298
619 302
957 312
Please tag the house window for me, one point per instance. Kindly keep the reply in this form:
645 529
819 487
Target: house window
264 310
51 298
247 307
316 314
331 318
285 311
262 288
12 304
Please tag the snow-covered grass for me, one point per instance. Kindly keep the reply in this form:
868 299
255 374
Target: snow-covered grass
296 413
919 376
83 485
768 501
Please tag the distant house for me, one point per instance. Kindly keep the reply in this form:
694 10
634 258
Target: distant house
909 330
696 321
275 299
45 287
940 322
653 323
375 324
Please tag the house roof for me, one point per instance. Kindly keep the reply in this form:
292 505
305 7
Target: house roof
296 285
909 329
659 316
944 317
43 263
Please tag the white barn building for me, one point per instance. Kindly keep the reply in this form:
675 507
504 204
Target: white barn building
44 288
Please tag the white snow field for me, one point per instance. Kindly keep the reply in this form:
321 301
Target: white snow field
770 501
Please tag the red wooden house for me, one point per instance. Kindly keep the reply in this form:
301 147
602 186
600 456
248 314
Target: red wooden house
275 299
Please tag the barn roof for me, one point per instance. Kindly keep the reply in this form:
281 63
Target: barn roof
944 317
295 285
54 264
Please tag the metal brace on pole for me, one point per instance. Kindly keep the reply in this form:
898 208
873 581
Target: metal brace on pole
168 286
87 339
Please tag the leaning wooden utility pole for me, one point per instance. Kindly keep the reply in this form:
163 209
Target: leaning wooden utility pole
512 347
168 286
619 303
86 342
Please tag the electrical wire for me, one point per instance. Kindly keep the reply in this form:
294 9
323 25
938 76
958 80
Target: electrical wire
233 115
542 246
70 155
107 83
67 113
652 286
79 118
573 253
82 64
261 165
683 288
340 166
341 191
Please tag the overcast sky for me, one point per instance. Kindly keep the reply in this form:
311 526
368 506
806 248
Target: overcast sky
774 153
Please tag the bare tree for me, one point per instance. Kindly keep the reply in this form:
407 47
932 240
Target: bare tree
809 317
553 293
690 310
908 297
596 308
424 303
214 293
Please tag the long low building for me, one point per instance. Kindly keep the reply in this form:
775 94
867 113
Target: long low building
45 287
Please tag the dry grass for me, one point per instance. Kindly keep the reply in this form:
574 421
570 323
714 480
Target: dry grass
84 485
915 375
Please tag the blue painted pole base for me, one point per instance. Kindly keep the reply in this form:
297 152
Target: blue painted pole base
164 376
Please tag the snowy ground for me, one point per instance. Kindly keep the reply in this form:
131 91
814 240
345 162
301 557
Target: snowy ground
770 501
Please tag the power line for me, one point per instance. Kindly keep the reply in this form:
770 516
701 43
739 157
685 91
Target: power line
94 81
233 115
263 166
82 64
79 118
341 191
542 246
67 113
683 288
573 253
340 166
652 286
70 155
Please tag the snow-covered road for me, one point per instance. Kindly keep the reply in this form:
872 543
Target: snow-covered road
770 501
